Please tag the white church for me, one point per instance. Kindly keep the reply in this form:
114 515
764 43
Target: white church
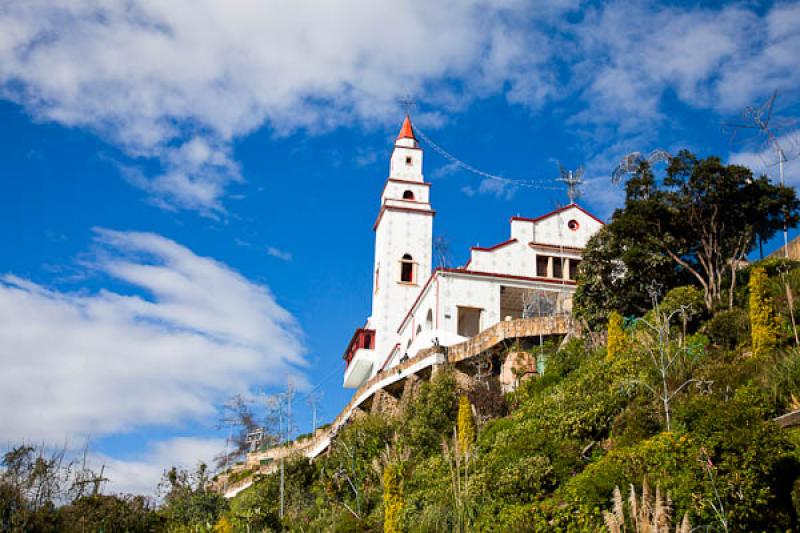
415 306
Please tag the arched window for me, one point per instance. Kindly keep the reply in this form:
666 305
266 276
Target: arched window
419 329
408 195
429 320
407 269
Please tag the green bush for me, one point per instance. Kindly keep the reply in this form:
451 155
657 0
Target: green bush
728 328
431 415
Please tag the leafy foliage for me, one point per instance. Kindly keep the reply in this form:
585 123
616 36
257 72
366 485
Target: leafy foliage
466 426
616 336
763 326
694 226
552 462
392 496
189 502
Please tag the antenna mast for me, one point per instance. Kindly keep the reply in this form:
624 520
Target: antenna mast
573 181
760 118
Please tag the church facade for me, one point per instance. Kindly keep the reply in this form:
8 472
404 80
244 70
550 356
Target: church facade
415 306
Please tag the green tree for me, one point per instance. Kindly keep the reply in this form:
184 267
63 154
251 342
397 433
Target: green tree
189 501
131 514
698 224
718 211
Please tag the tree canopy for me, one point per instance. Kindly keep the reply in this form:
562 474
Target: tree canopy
696 225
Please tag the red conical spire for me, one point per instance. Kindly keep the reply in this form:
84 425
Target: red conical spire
406 132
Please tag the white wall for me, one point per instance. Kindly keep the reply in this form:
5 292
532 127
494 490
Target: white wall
404 227
554 230
444 295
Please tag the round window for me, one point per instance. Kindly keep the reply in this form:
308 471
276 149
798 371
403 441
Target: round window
573 225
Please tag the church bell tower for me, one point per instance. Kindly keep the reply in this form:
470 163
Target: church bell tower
403 242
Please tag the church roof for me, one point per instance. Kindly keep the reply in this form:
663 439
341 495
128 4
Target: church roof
557 211
406 131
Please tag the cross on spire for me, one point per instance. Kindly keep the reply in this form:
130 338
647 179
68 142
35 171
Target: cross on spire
408 103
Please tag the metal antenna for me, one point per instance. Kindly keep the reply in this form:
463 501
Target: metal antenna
631 163
760 119
573 180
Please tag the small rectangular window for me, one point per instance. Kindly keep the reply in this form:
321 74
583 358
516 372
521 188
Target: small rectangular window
558 267
407 272
541 266
573 269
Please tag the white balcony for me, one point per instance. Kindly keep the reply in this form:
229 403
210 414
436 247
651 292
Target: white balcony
360 368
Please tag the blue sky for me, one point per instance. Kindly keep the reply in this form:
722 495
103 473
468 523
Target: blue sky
189 192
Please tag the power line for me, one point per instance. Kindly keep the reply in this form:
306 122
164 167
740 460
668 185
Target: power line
529 183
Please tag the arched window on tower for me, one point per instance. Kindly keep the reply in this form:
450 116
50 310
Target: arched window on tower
408 195
429 320
407 269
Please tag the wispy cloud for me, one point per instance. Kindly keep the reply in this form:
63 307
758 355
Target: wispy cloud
279 254
764 160
80 363
141 474
496 188
180 81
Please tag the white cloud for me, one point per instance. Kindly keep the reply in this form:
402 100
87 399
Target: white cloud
94 363
180 80
279 254
719 59
142 473
765 160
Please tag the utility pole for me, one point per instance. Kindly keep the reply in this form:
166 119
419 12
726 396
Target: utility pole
761 120
280 432
285 397
312 400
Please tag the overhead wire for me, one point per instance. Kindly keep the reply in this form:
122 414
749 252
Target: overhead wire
529 183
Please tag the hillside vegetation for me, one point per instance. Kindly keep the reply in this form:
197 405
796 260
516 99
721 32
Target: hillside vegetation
660 412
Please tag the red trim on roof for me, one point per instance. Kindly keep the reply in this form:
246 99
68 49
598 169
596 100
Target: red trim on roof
389 357
419 296
495 247
557 211
430 212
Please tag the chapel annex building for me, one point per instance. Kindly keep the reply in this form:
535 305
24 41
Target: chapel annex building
416 307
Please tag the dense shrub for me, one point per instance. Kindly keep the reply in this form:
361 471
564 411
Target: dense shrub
589 423
728 328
